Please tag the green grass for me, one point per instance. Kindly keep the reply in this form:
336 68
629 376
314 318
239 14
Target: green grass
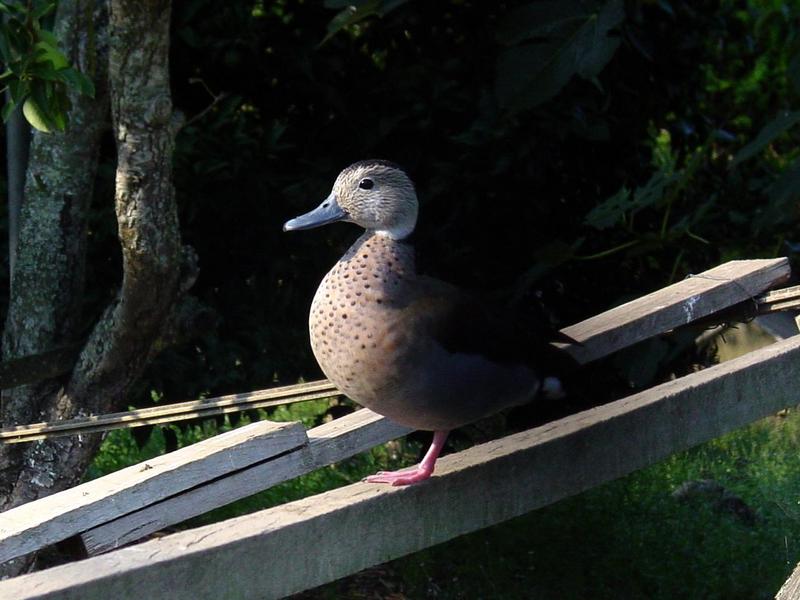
626 539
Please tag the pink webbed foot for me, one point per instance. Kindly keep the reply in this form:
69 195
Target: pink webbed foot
415 474
404 477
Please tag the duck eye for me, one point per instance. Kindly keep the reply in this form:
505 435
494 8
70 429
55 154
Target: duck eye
366 184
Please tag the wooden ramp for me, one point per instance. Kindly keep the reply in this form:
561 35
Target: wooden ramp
305 543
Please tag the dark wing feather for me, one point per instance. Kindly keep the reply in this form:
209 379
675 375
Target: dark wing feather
466 323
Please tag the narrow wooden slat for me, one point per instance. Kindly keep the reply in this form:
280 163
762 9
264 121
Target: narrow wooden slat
787 293
292 547
779 306
34 525
327 444
172 412
679 304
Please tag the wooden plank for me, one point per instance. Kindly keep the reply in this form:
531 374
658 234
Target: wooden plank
678 304
327 444
292 547
172 412
31 526
790 590
781 295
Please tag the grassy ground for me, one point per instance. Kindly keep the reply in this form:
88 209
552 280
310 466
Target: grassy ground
628 539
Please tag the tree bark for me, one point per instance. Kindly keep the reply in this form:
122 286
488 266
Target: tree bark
44 306
17 144
123 339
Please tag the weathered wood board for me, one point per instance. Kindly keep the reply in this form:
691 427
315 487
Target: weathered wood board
192 409
681 303
301 544
327 444
790 590
32 526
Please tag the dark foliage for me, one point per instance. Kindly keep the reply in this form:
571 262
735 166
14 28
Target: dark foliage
590 177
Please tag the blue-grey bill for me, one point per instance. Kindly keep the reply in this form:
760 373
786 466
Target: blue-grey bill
327 212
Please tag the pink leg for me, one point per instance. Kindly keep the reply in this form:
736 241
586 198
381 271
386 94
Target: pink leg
415 474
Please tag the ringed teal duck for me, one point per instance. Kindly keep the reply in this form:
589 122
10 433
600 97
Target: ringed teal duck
409 347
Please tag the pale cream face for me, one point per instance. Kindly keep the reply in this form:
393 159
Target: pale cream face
378 197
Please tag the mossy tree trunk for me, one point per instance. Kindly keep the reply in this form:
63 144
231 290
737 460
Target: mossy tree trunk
124 45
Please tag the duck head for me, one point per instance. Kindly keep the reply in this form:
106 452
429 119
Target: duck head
375 194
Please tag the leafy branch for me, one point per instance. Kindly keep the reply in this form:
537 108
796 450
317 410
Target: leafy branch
36 73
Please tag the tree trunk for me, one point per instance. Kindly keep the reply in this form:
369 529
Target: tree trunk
17 144
48 283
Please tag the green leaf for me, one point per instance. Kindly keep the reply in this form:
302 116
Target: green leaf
42 10
356 11
43 70
18 89
36 116
8 108
60 116
5 50
784 121
652 191
350 15
596 45
49 37
77 81
530 75
576 43
18 39
610 212
539 20
46 107
48 53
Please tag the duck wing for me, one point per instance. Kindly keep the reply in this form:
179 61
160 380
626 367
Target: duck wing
463 322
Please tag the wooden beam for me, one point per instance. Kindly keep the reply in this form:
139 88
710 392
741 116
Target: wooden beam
678 304
327 444
779 300
790 590
292 547
34 525
193 409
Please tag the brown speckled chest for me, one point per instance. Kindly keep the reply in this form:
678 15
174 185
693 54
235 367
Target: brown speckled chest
355 321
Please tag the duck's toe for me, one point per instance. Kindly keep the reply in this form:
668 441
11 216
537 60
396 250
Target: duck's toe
403 477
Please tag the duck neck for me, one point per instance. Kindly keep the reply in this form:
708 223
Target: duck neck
374 247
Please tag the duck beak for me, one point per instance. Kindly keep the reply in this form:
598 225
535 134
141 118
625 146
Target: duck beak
327 212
